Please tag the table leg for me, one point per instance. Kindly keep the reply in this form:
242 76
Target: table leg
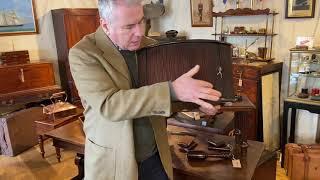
292 125
40 140
58 154
79 161
284 131
242 124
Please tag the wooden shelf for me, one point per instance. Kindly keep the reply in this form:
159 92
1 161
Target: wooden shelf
243 12
256 60
245 34
315 50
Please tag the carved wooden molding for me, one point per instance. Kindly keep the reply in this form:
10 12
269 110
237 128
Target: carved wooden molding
243 12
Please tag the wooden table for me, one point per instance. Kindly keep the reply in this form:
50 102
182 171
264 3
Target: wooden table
46 124
214 168
72 137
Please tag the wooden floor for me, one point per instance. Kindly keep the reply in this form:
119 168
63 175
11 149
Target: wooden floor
30 166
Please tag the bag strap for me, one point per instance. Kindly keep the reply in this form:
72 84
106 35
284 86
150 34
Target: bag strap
306 160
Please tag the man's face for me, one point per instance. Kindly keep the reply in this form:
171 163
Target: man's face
127 26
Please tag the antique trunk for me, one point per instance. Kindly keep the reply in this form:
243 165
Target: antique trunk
27 76
168 61
17 131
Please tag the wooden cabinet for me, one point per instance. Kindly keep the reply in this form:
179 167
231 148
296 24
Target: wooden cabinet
25 76
70 26
248 81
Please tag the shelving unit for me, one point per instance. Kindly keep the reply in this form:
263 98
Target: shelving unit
247 12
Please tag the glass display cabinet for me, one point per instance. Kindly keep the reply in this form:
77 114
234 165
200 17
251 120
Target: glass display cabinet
304 74
303 91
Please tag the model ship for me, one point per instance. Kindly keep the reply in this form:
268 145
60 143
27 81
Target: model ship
9 18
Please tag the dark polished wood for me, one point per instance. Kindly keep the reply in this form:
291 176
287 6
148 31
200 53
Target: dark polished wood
70 26
251 75
243 109
71 136
28 96
168 61
294 104
267 167
215 168
45 124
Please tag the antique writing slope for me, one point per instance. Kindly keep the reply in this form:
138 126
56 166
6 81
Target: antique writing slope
168 61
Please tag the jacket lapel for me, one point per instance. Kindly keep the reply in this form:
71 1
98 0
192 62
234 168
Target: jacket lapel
111 53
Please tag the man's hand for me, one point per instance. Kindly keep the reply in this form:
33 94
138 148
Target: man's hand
210 111
188 89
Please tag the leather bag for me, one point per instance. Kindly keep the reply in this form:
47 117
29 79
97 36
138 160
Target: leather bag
302 162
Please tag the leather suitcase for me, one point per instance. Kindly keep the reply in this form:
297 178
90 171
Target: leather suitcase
17 131
302 162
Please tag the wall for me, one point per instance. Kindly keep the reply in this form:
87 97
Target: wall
178 17
43 45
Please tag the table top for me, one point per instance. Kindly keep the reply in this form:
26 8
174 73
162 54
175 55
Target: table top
212 169
244 105
73 134
303 101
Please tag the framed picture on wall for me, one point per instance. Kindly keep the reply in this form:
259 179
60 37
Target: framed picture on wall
17 17
300 8
201 13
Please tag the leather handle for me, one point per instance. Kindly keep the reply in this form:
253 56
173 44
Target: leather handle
306 161
22 75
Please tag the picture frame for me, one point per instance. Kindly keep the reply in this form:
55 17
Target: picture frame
17 18
201 13
300 8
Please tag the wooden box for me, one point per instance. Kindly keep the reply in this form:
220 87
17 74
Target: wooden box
15 57
17 132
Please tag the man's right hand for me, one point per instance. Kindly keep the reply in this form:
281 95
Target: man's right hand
188 89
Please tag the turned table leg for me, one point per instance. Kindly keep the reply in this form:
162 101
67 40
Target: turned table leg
58 154
40 140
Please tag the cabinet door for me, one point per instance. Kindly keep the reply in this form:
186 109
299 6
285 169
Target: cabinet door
11 79
249 88
38 75
79 25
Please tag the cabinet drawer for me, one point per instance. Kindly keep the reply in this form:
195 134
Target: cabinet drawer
26 76
11 80
245 72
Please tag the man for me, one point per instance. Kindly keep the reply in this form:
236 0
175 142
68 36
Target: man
125 126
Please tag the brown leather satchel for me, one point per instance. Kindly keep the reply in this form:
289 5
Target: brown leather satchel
302 162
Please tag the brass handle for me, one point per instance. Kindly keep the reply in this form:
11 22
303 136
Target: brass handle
22 75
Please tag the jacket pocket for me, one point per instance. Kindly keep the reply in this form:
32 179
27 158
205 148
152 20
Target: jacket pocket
99 161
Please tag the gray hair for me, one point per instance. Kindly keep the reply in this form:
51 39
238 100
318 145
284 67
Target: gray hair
106 7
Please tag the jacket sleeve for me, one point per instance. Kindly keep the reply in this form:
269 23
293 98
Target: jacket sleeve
97 89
